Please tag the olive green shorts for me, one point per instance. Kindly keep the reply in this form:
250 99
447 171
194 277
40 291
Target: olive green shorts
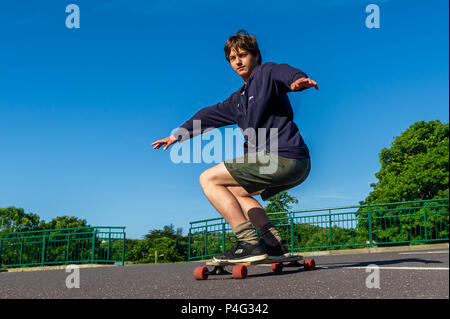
267 173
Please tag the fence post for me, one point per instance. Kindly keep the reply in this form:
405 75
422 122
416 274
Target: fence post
206 243
68 247
331 235
123 246
43 251
189 245
291 219
109 244
21 250
93 247
370 228
223 237
425 222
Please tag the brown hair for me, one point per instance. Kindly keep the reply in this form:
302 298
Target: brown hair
242 40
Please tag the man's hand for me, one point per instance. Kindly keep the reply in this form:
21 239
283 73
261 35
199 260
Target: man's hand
168 141
302 84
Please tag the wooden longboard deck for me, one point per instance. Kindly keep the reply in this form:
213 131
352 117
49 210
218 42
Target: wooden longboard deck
291 257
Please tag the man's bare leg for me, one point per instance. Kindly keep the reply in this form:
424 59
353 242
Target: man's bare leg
237 206
251 208
230 199
214 182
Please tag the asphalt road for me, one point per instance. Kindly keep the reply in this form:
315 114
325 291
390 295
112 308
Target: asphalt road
400 275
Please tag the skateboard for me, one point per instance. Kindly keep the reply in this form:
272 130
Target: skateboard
240 268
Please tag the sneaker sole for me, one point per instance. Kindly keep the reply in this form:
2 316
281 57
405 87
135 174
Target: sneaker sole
243 260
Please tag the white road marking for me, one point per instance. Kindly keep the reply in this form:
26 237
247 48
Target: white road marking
425 252
389 268
367 267
407 268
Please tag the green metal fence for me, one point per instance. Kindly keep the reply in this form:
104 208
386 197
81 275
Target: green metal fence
100 244
361 226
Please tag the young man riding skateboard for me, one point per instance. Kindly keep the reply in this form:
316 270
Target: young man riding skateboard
260 106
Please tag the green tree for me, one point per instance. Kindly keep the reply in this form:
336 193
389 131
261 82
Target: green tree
64 222
14 219
167 231
169 244
166 249
180 242
415 167
279 204
137 250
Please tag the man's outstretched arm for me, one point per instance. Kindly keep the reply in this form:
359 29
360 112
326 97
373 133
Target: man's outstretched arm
290 79
218 115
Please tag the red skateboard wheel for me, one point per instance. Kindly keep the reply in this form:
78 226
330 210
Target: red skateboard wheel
239 272
310 264
200 273
277 267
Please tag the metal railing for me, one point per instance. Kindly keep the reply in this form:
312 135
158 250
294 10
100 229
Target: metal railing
99 244
361 226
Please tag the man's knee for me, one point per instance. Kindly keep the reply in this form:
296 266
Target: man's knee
206 178
203 179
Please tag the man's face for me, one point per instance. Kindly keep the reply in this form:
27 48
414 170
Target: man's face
243 62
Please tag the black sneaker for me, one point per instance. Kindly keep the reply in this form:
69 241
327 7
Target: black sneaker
244 252
279 251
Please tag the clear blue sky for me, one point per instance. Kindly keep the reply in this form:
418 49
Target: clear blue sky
79 108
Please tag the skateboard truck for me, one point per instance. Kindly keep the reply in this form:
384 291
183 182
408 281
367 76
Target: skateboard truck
294 263
218 270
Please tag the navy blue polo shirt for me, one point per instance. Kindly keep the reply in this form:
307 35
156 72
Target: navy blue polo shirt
262 103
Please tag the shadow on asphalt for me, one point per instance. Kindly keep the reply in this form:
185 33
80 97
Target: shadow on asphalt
382 263
325 266
265 274
283 273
